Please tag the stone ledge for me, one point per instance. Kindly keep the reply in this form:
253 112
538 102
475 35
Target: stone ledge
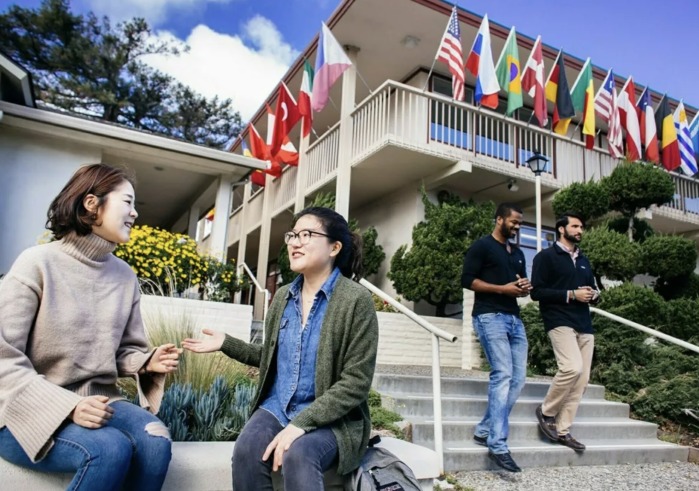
206 466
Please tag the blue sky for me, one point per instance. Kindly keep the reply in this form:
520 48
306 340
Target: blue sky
654 42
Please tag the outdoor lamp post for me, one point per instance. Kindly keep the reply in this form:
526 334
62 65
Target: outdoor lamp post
537 163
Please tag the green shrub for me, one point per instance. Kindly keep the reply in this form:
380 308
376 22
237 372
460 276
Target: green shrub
681 319
611 253
641 228
632 186
384 419
668 399
588 199
669 256
683 287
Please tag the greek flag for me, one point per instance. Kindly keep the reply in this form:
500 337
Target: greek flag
688 160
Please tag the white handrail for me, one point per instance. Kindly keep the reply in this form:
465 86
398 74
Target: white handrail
265 291
645 329
436 375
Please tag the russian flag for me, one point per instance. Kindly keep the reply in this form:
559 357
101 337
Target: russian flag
480 64
331 62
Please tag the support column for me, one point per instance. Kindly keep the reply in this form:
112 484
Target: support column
193 221
302 175
243 240
219 231
344 169
263 250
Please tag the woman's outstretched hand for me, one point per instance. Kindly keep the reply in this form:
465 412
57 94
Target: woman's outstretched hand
212 341
165 359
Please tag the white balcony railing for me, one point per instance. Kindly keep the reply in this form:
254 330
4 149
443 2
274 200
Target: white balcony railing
322 158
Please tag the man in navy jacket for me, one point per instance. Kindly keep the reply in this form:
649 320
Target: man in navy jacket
564 285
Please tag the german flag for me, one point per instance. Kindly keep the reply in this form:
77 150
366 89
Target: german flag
558 92
667 136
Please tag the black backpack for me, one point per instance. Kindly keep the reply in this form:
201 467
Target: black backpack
381 470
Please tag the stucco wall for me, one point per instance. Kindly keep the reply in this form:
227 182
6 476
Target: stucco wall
394 217
33 170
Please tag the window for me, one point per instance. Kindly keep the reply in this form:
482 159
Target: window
526 240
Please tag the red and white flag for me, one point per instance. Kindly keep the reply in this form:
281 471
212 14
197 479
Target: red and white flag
305 98
287 154
629 120
533 82
260 150
450 52
614 137
287 116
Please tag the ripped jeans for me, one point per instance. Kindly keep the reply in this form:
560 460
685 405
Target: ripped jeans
133 449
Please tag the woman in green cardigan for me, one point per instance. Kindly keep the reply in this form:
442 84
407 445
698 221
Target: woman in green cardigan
316 363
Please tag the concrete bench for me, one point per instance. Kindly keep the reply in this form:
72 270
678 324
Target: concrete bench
206 466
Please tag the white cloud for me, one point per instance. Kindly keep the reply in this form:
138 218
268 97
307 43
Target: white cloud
154 11
244 68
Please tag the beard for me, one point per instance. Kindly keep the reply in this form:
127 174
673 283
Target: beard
506 231
575 239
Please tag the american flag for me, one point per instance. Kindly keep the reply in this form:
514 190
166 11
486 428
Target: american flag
450 53
603 99
614 136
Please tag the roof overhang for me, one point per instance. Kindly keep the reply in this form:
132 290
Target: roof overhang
15 83
171 174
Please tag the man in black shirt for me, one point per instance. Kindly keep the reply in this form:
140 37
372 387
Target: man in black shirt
564 285
495 270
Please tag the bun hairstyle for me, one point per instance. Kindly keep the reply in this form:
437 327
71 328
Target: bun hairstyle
67 212
349 260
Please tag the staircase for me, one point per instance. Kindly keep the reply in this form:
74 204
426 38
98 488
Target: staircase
604 426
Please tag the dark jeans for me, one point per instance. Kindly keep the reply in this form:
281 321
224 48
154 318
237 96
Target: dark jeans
133 448
302 465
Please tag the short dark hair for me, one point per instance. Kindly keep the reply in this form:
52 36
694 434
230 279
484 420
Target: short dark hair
564 220
504 210
349 260
67 213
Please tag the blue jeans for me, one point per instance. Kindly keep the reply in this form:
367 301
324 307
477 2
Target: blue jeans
302 465
132 449
504 342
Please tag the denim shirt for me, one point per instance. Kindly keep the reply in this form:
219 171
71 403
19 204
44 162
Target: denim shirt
294 384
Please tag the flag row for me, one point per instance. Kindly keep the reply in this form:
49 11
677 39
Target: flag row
656 135
276 149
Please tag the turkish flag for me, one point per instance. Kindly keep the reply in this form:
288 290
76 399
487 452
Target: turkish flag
286 116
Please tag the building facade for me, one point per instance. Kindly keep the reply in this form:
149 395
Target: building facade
392 127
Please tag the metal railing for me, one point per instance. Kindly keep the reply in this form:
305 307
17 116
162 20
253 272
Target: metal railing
647 330
437 333
265 291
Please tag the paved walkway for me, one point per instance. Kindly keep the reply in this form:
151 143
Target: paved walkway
680 476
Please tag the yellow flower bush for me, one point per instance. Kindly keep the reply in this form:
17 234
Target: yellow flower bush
170 263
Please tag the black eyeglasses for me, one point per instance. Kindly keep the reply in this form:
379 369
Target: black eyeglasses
304 236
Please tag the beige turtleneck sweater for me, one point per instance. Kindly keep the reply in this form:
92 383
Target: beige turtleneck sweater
70 324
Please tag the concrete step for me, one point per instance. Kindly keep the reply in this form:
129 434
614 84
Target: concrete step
531 454
527 430
452 386
418 406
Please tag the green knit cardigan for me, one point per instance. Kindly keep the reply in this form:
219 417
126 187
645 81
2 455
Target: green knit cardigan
344 367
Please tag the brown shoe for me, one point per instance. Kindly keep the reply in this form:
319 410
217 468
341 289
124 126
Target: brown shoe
571 442
547 425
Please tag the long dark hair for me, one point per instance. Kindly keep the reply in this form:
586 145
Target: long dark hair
349 260
67 212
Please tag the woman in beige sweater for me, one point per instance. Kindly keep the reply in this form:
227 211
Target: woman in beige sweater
70 324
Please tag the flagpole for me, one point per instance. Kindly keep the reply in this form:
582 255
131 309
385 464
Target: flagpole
363 81
435 58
